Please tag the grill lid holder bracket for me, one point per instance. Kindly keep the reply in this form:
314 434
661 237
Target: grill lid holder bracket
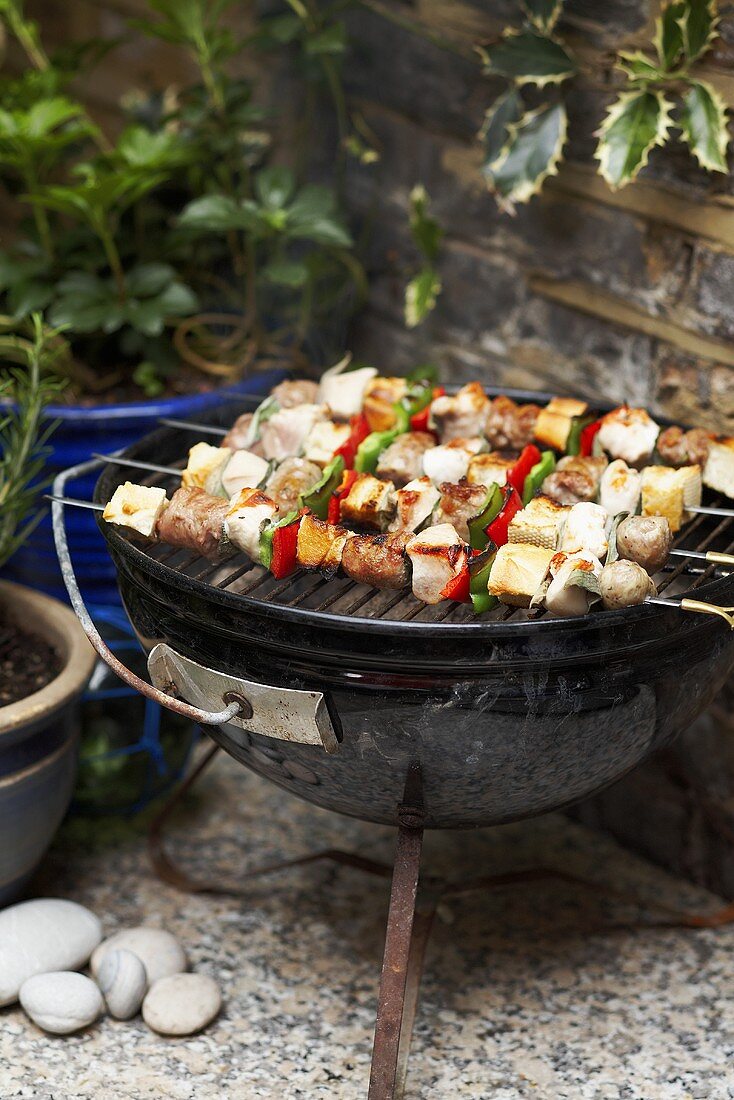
285 714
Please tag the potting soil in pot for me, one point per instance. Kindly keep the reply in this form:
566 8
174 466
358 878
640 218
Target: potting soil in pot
27 662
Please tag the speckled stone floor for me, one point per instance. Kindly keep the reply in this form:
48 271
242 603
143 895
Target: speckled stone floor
539 992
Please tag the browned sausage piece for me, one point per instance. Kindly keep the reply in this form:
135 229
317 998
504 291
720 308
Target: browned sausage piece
377 560
194 520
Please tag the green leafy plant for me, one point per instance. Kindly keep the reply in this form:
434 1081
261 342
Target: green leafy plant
423 290
523 142
179 241
24 392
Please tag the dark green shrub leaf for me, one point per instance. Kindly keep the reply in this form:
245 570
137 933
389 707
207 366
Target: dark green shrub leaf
289 273
533 152
698 27
312 203
420 296
528 57
638 66
274 186
218 213
425 230
505 110
704 125
29 295
146 280
635 123
543 13
331 40
669 35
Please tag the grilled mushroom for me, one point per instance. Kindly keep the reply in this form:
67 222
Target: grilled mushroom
645 540
624 584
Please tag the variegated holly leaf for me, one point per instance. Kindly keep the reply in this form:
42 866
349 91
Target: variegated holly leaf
420 296
669 34
635 123
543 14
637 65
505 111
698 24
528 57
704 125
532 153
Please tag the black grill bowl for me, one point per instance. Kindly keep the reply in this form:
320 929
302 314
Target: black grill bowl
506 718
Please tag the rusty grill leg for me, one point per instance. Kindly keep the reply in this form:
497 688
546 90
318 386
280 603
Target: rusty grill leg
403 956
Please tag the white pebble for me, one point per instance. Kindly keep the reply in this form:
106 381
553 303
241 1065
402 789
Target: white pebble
40 936
181 1004
160 953
61 1002
123 980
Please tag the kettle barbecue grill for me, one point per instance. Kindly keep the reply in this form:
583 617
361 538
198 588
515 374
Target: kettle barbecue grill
374 705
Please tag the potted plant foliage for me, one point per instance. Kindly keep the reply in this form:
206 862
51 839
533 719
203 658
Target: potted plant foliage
176 255
45 658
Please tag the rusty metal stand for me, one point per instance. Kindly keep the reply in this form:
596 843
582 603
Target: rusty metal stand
413 903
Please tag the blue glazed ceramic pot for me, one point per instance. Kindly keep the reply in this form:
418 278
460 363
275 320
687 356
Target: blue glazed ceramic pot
38 739
81 430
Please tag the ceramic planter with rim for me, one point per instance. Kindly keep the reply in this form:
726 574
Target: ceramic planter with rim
38 739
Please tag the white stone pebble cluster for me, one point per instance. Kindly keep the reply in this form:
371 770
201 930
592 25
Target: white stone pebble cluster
44 944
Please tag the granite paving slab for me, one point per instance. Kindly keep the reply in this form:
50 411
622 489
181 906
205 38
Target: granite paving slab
545 991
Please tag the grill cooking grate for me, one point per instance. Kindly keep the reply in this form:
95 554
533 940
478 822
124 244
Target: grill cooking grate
342 596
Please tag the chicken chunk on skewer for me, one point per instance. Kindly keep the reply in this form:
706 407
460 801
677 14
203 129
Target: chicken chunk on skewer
402 461
462 415
459 502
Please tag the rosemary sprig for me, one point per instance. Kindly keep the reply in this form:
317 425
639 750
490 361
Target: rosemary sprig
24 436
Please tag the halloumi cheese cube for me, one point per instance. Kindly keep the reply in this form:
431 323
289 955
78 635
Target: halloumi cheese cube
138 507
585 530
539 523
369 503
324 439
487 468
718 473
250 510
668 492
518 572
554 421
205 463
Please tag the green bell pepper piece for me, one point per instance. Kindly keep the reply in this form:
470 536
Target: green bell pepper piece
537 475
426 375
573 443
490 510
266 537
371 448
479 571
317 498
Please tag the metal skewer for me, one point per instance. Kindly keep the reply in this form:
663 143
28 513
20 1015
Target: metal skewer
705 510
76 503
193 426
137 464
714 557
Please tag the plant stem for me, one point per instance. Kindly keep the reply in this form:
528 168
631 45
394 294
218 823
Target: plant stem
113 259
34 51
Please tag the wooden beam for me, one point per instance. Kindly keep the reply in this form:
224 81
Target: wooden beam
592 300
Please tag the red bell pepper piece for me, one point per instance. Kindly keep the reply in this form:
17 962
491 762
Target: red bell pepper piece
459 587
285 541
529 457
588 435
335 501
498 528
360 429
419 420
